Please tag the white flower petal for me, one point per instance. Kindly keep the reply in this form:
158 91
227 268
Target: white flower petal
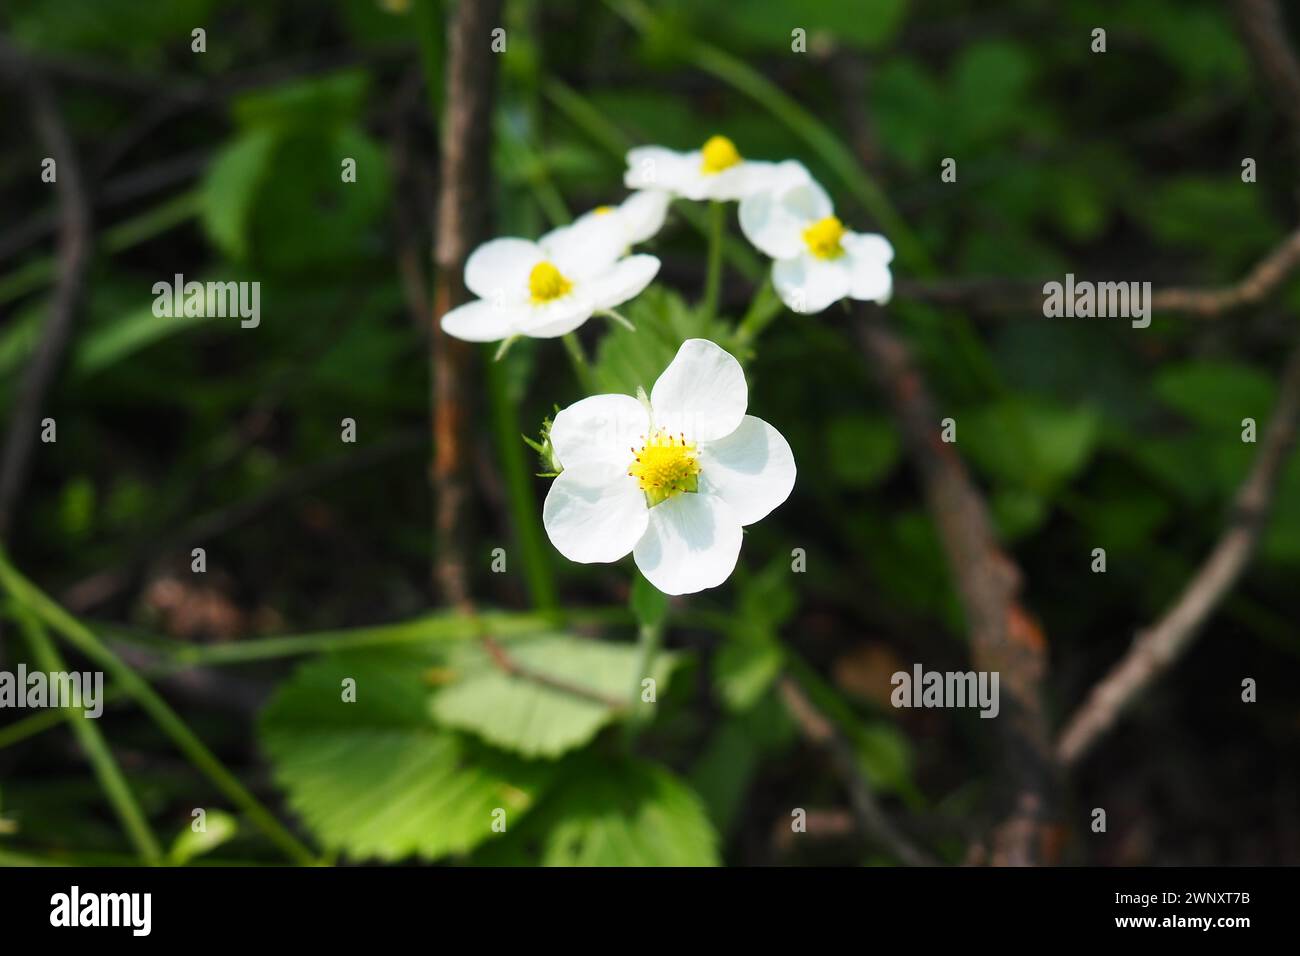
752 469
586 248
701 394
602 428
643 214
744 179
870 278
654 167
808 284
498 270
628 278
692 543
483 321
595 513
774 219
557 317
868 245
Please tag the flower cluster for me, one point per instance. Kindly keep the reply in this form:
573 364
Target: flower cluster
672 477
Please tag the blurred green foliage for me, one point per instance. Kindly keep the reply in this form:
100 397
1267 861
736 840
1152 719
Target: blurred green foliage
1086 433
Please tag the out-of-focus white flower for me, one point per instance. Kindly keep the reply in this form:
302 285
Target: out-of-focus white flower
639 217
672 481
547 288
817 260
715 171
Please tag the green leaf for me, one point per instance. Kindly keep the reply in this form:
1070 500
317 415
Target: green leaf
230 187
989 83
628 360
612 812
377 778
649 604
746 665
569 690
886 756
1029 442
1217 395
120 338
219 827
331 100
861 450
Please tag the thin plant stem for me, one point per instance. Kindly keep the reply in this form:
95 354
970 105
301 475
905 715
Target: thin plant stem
581 366
649 637
167 720
523 506
110 777
763 308
713 278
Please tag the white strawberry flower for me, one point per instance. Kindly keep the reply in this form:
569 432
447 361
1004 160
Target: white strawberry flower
715 171
673 480
548 288
817 260
639 217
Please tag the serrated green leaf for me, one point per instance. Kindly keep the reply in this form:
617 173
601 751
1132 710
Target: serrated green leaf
377 778
612 813
628 360
571 688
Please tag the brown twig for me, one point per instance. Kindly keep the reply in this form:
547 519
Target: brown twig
1004 638
871 818
73 256
1264 31
994 295
1155 650
462 207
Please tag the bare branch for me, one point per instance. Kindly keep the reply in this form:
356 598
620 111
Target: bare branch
462 205
73 258
1004 637
1264 31
996 295
820 731
1155 650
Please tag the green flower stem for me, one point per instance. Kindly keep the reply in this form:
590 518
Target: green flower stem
80 637
763 308
519 488
581 367
92 742
713 278
650 637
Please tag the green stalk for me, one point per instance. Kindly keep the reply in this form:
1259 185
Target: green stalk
80 637
763 308
519 488
92 742
713 277
581 366
649 637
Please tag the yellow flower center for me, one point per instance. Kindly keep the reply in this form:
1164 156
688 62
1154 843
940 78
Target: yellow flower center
665 467
719 153
603 210
823 238
545 283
